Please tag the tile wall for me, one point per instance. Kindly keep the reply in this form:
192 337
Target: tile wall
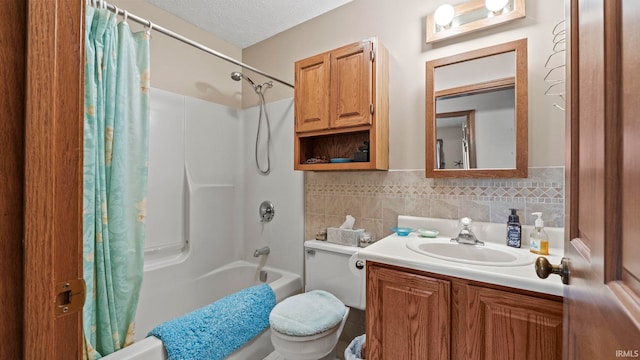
376 199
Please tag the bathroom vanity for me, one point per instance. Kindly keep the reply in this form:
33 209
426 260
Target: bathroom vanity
424 307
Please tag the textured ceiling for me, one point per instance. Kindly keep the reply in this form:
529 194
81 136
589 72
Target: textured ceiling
246 22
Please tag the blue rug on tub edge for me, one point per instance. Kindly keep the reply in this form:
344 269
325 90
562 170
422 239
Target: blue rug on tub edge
218 329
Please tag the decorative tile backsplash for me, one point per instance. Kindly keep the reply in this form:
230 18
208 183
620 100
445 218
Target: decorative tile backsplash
376 199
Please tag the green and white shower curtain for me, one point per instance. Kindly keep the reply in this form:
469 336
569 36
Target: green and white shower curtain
116 132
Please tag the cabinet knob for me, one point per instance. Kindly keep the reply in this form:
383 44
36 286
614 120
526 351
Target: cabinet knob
544 269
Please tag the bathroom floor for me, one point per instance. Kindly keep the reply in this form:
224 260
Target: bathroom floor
340 347
275 356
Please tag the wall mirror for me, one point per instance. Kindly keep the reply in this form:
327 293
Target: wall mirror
476 113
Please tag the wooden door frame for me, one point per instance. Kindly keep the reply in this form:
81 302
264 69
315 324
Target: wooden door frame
53 174
12 87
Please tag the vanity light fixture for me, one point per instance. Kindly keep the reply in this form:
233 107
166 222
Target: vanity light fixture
496 6
448 21
444 15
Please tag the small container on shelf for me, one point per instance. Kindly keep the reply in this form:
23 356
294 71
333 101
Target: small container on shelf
366 239
402 231
321 235
340 160
362 155
429 233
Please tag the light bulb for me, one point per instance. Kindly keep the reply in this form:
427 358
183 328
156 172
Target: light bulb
495 5
443 15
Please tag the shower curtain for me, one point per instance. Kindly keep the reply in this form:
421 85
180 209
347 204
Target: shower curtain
116 125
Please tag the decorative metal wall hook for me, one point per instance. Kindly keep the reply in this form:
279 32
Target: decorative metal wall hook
556 75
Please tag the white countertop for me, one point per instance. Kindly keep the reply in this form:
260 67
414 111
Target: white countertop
393 250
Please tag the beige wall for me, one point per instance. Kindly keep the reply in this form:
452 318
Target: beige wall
182 69
400 25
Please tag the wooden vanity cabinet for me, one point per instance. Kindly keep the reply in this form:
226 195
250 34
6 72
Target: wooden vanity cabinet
341 100
408 315
417 315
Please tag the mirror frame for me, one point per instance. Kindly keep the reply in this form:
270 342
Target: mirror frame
521 113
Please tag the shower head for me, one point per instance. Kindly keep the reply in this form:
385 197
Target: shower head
238 75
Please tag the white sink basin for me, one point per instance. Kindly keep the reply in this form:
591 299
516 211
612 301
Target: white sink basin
487 255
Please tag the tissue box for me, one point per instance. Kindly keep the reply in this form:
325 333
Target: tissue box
349 237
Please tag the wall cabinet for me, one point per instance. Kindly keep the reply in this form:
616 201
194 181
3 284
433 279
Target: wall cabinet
341 101
417 315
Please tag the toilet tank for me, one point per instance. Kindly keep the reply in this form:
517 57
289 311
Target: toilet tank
335 268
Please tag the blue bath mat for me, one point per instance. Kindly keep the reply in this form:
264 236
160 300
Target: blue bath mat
218 329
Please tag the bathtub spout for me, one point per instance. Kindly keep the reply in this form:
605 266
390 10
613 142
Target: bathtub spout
262 251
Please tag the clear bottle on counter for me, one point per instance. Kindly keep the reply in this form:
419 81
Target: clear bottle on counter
538 240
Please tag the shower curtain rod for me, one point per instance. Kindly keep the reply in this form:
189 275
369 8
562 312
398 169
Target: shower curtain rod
160 29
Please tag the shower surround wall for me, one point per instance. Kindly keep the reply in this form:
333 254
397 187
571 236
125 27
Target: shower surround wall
204 192
376 199
284 187
192 172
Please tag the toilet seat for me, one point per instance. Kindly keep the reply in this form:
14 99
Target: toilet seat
311 347
307 314
308 337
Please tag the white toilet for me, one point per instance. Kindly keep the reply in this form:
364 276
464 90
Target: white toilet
307 326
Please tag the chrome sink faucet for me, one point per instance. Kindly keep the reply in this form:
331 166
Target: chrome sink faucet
466 236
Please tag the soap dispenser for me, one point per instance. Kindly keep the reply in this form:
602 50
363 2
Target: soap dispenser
538 240
514 230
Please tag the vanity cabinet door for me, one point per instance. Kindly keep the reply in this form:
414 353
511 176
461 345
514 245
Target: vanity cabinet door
504 325
408 315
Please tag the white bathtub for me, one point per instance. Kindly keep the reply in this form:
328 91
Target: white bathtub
171 298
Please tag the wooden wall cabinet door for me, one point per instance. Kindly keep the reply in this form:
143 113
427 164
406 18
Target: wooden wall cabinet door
351 96
311 93
504 325
408 315
335 89
342 102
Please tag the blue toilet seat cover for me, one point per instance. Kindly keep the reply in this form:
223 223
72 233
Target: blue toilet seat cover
307 314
